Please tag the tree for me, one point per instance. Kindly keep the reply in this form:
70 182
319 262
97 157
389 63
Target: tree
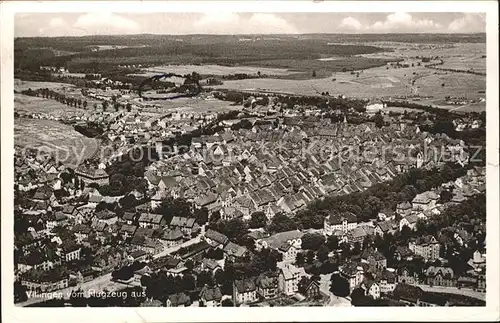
300 259
281 223
312 241
257 220
322 253
379 120
85 104
304 281
105 105
95 106
314 73
201 215
310 256
339 286
129 107
332 242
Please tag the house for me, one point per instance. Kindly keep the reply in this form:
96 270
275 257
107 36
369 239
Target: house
69 250
425 246
81 232
215 239
244 291
129 217
403 253
187 226
267 285
387 281
234 251
178 300
425 201
408 275
210 264
89 174
385 227
312 290
440 276
462 237
344 222
410 221
353 272
403 208
370 288
289 278
127 230
375 258
173 237
45 281
210 296
150 220
288 243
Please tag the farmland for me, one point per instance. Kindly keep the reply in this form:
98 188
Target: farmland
30 104
193 104
70 146
212 70
375 82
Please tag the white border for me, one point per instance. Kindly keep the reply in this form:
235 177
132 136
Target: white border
11 313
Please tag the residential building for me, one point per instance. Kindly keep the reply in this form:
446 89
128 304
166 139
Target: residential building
344 222
244 291
289 278
426 246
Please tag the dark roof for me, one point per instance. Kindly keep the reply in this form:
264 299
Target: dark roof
179 299
407 292
211 293
216 236
245 285
338 218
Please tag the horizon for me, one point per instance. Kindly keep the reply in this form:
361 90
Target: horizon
109 23
219 35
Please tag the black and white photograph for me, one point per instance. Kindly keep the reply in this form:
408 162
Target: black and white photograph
251 158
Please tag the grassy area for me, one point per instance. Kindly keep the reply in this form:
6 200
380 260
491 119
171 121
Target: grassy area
51 136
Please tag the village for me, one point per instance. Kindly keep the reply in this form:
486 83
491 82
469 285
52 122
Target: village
265 205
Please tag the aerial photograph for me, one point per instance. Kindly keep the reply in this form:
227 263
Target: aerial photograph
247 159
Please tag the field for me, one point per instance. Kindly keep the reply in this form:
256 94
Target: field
31 104
68 146
476 63
195 105
212 70
375 82
20 85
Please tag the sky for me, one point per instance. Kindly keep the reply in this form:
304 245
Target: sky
107 23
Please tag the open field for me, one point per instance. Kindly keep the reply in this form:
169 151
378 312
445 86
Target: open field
375 82
69 146
465 63
195 104
212 70
20 85
32 104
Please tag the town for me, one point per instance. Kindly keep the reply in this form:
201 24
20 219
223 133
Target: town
258 198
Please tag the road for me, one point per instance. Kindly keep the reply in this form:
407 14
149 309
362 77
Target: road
170 250
454 290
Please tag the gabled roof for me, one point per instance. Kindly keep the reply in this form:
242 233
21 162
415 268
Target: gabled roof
216 236
245 285
210 294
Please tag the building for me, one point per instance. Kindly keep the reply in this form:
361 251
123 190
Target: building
370 288
178 300
344 222
287 243
374 258
353 272
244 291
387 281
89 174
311 290
425 201
150 220
187 226
267 285
210 296
216 239
173 237
426 246
440 276
289 278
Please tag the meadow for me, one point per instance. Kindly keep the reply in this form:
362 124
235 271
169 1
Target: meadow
56 138
31 104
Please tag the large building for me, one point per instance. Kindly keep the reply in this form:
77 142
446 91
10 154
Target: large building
343 222
89 174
